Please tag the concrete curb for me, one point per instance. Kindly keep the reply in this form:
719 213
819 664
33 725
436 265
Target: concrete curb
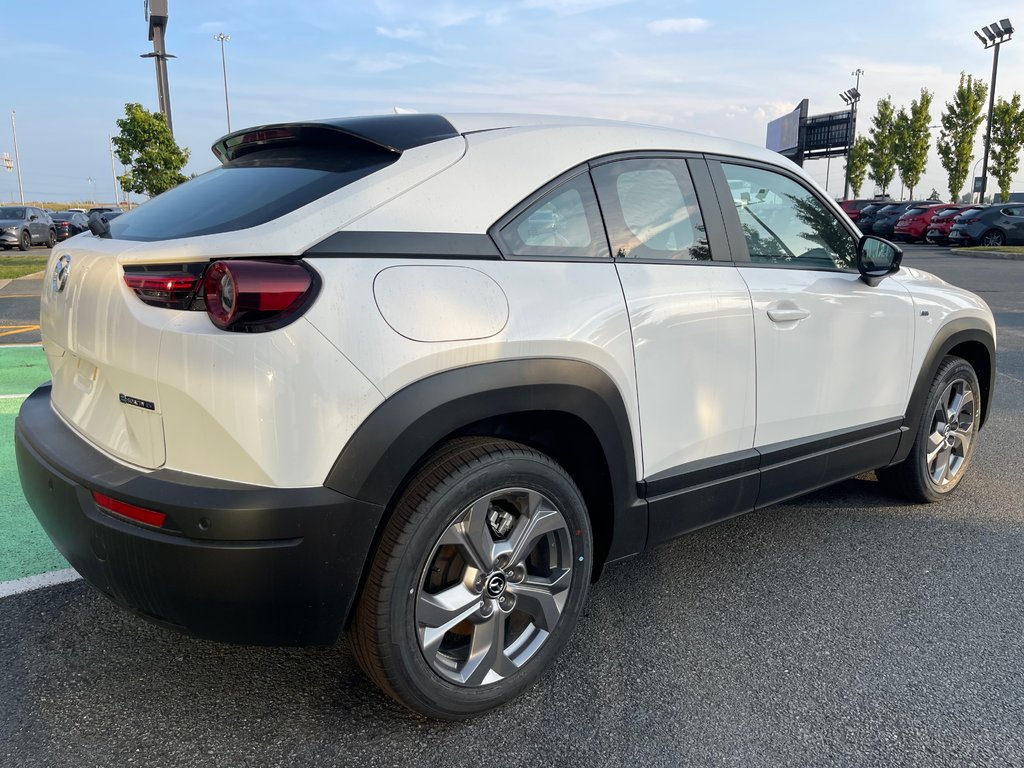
988 254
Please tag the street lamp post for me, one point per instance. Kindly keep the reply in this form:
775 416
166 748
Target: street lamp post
992 36
851 97
224 65
17 158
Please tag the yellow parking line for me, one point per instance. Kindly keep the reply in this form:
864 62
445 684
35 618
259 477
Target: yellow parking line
12 330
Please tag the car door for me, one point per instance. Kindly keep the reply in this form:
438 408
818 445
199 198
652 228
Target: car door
692 333
35 224
833 353
1015 224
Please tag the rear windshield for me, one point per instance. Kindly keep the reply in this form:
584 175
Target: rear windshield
254 189
869 209
949 212
914 211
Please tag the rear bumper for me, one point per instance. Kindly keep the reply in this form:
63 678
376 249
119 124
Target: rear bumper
233 562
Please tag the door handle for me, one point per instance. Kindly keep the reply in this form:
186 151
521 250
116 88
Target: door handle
788 314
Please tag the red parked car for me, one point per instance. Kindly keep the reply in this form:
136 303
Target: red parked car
854 207
913 224
940 226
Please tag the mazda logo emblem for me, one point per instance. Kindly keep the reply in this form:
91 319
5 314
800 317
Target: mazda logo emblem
496 585
61 271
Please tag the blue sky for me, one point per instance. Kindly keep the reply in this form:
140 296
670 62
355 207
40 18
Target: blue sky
724 68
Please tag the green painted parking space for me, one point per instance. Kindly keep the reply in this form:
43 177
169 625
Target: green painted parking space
24 548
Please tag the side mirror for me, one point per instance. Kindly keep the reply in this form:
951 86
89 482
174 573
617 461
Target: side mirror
877 258
33 217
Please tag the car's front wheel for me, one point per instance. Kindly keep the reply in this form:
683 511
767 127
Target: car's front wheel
478 580
945 438
52 241
25 242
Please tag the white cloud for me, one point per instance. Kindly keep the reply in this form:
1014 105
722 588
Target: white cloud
400 33
671 26
571 7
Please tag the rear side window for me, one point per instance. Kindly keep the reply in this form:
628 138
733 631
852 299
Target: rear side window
914 211
564 223
255 188
651 210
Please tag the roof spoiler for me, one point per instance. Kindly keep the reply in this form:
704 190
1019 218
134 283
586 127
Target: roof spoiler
393 133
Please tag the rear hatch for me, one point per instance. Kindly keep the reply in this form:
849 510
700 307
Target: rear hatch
103 351
279 190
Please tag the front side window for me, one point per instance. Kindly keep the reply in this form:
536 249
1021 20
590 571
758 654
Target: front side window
784 224
563 223
651 210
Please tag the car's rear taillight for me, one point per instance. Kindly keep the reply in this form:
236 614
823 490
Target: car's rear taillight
253 296
129 511
172 290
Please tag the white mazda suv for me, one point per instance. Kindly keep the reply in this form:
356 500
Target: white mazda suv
422 378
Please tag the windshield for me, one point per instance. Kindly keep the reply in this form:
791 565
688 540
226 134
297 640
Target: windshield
12 213
254 189
915 211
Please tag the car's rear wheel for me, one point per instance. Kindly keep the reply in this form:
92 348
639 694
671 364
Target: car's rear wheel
25 242
993 237
478 580
946 436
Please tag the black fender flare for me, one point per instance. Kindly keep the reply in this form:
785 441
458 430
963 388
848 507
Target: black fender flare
401 431
951 335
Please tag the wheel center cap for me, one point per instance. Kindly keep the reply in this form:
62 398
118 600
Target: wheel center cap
495 586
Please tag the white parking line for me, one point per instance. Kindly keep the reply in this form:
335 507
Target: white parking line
12 397
30 583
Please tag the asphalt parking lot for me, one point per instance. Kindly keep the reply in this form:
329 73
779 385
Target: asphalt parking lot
841 629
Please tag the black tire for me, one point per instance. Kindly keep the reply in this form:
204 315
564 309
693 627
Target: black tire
53 239
915 477
994 237
25 241
385 635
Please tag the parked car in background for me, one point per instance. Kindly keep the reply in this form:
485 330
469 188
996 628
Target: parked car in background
853 208
102 209
885 220
940 226
69 223
317 389
23 226
914 222
867 215
994 225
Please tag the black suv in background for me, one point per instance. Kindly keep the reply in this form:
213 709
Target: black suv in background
884 221
24 226
69 223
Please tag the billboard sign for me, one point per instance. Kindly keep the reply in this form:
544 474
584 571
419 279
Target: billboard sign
784 132
829 132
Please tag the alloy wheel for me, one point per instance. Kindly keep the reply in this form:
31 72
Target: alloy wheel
993 237
494 587
949 441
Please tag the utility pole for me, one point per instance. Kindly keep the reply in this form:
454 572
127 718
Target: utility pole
851 97
17 158
224 65
156 14
117 195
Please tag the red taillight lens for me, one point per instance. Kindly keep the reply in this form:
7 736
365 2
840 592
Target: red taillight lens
260 295
130 511
163 289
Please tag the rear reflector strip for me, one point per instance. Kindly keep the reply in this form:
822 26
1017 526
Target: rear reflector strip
130 511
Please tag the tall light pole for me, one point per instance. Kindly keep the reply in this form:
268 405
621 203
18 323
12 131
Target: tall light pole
117 195
156 15
851 97
992 36
17 157
224 65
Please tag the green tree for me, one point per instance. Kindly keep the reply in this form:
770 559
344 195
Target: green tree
913 136
1007 142
882 143
147 149
960 123
860 156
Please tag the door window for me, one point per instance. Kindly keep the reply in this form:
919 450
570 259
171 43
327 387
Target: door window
785 225
564 223
651 210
